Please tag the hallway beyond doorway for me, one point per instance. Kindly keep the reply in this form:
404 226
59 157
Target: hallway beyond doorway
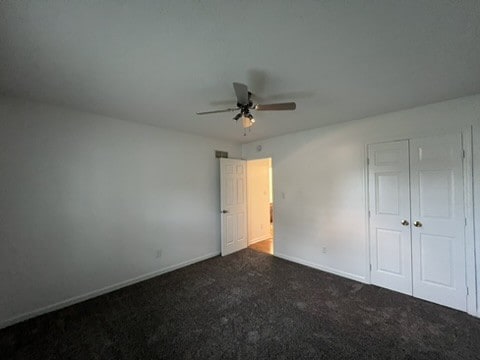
265 246
260 205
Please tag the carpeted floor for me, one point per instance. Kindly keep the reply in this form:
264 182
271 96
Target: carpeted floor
248 305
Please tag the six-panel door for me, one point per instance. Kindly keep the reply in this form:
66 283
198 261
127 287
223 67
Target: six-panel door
390 245
438 215
419 182
233 201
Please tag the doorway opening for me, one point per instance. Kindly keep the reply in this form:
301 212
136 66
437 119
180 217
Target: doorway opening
260 205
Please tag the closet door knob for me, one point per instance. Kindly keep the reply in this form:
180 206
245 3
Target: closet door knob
417 224
405 223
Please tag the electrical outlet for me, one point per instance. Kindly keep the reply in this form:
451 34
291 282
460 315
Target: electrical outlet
159 254
324 249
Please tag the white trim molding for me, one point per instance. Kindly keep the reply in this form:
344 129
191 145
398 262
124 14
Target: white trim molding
322 268
467 137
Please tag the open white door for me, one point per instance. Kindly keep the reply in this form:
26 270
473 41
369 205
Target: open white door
233 201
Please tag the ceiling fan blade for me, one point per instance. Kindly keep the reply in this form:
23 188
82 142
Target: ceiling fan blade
241 91
216 111
277 106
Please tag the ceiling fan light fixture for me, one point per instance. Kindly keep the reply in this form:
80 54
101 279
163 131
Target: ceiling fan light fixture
248 121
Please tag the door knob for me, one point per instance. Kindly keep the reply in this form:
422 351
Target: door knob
417 224
224 211
405 223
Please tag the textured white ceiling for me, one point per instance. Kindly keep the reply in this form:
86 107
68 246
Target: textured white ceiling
159 62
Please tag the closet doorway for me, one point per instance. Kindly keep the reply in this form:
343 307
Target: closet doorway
260 205
417 218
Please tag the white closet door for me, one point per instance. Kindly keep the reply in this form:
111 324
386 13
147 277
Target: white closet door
438 219
389 196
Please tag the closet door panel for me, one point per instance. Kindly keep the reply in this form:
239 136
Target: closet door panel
389 204
438 219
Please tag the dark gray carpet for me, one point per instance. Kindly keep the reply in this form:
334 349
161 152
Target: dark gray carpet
247 305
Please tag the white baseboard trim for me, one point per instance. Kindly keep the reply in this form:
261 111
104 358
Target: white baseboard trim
261 238
101 291
322 268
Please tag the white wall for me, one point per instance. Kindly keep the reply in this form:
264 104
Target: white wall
319 181
86 201
258 198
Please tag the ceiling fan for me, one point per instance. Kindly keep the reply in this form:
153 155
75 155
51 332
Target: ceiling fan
245 105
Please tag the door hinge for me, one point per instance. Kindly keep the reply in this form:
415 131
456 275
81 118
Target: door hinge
465 221
368 161
468 291
463 154
368 213
370 267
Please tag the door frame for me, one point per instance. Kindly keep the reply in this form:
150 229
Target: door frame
470 251
468 183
